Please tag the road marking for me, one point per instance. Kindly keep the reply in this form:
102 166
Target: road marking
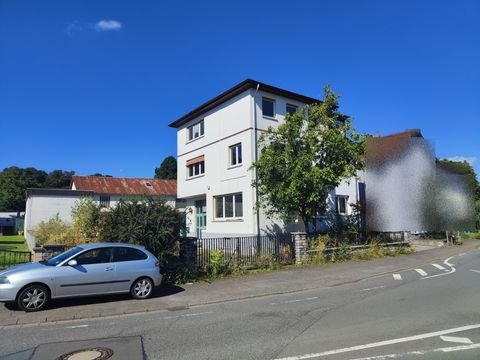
76 326
477 271
387 342
294 301
422 352
372 288
397 276
446 262
440 267
421 272
460 340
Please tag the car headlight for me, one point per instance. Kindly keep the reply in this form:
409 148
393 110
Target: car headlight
4 280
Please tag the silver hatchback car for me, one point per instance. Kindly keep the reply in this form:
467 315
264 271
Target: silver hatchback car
84 270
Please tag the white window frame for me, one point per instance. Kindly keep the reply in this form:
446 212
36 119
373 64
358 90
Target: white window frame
337 204
238 152
234 198
291 106
197 128
274 108
198 170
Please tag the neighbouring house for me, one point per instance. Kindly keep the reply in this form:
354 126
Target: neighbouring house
216 146
43 204
407 191
11 222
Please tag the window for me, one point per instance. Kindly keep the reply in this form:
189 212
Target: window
127 254
229 206
268 107
95 256
196 169
104 201
291 109
196 130
342 202
235 154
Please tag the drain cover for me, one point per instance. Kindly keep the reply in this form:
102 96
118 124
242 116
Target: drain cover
95 353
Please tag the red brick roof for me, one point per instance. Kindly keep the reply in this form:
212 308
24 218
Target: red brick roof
382 149
125 186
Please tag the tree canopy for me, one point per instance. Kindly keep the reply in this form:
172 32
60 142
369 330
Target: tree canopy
305 158
167 170
14 182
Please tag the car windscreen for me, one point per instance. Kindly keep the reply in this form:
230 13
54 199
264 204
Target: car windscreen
63 256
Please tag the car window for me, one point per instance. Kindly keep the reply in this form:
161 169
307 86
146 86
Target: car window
128 254
63 256
95 256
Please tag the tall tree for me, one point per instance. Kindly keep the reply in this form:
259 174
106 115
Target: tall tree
14 181
306 157
167 170
59 179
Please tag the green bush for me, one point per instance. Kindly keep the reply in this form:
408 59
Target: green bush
86 220
148 222
55 231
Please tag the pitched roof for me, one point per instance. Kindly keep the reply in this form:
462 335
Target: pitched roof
125 186
385 148
234 91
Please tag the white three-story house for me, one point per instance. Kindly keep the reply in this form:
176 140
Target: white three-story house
216 146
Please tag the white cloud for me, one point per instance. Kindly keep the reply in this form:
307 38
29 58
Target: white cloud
470 159
108 25
73 28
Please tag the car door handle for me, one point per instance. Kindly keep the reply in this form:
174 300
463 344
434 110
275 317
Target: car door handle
108 268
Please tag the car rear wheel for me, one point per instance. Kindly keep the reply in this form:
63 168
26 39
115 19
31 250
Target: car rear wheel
142 288
33 298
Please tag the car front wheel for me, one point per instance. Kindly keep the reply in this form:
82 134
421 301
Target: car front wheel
33 298
142 288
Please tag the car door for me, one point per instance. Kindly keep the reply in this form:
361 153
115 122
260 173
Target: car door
93 274
130 264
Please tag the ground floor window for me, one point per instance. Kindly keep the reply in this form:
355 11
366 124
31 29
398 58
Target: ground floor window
229 206
104 201
342 203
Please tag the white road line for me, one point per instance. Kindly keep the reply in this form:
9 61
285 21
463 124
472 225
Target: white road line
385 343
397 276
421 272
422 352
372 288
455 339
446 262
197 314
477 271
76 326
294 301
440 267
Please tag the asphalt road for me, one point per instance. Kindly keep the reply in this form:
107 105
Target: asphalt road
428 312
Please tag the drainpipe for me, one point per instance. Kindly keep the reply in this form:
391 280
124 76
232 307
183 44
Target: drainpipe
255 145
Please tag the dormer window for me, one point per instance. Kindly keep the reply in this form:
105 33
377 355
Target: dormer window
196 130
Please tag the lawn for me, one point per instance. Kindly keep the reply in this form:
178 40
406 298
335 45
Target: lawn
12 243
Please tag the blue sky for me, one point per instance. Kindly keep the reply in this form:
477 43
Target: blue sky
91 86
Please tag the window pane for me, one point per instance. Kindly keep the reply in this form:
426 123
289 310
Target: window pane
202 167
238 205
202 129
239 153
127 254
190 133
196 131
233 155
268 107
190 171
219 206
96 256
229 206
291 109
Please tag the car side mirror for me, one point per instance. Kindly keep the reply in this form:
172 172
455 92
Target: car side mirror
72 263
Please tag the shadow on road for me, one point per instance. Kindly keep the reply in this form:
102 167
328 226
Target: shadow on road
163 291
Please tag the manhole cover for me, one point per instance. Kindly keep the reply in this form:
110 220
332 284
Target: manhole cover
96 353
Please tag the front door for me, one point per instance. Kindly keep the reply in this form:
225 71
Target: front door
201 210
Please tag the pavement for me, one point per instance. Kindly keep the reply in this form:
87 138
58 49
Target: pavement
254 285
